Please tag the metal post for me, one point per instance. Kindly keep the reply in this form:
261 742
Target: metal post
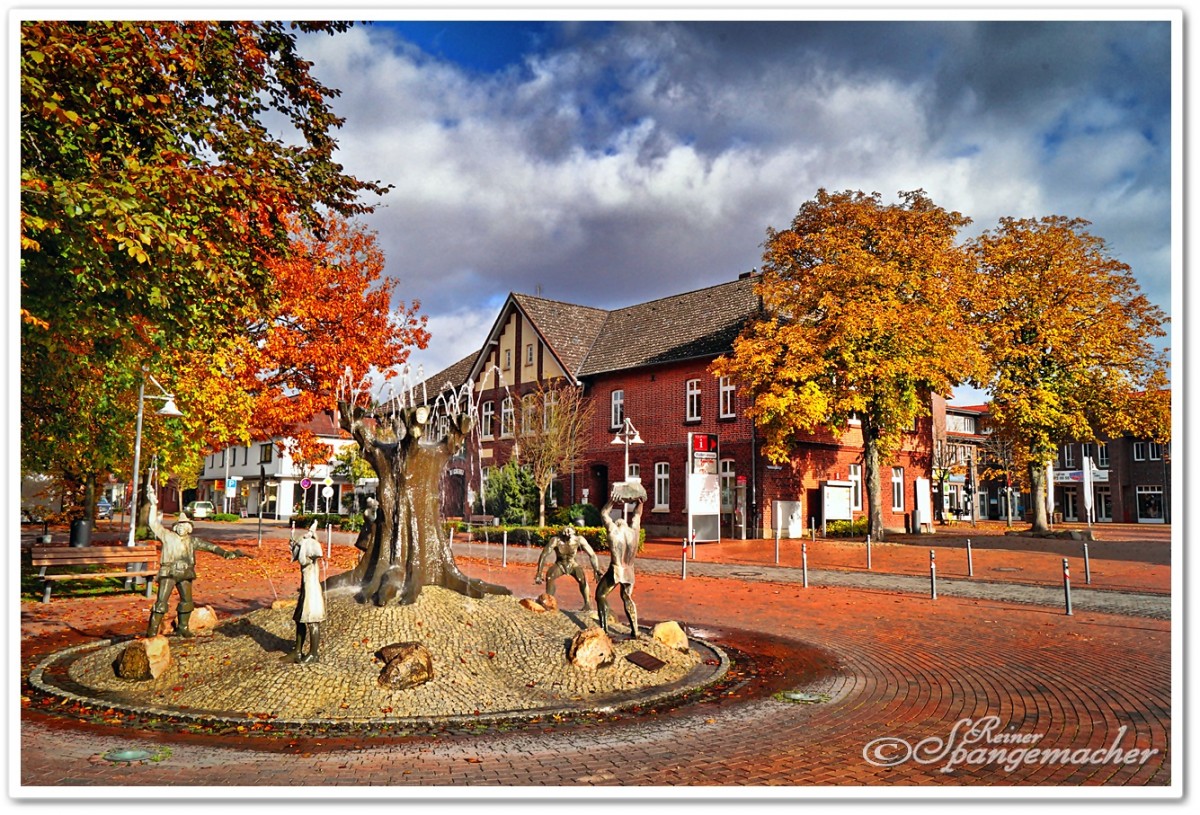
812 525
932 575
137 464
868 553
778 514
693 544
804 562
1067 585
683 561
1087 565
970 564
504 551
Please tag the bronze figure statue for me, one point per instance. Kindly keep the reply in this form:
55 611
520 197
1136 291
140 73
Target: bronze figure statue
310 607
177 567
564 547
623 541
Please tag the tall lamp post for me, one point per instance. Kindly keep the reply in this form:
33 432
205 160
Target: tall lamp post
627 435
168 409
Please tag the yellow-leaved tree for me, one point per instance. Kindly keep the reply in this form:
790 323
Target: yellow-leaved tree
1069 342
862 318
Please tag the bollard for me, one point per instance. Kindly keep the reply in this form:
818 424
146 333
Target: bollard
683 561
504 551
970 563
932 575
1087 566
812 524
776 546
1067 585
804 562
868 553
693 544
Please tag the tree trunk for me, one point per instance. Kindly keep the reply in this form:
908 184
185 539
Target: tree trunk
409 548
89 499
874 486
1037 494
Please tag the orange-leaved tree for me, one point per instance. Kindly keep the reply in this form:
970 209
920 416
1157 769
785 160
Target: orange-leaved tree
1069 340
862 319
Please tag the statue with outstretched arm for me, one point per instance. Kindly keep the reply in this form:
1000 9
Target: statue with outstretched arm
177 566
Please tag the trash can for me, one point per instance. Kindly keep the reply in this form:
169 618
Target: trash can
81 533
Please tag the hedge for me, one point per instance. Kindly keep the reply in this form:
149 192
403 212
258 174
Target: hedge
596 536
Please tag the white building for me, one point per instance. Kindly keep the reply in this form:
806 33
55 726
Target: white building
286 494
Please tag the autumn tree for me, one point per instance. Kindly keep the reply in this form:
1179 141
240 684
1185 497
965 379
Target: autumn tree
153 195
1069 342
862 318
553 424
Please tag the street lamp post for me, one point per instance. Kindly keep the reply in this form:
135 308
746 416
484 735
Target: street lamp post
628 435
168 409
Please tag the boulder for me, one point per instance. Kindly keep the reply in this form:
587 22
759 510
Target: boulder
547 602
144 659
203 620
532 605
670 634
409 664
591 648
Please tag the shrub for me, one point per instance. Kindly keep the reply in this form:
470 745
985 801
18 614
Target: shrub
846 529
352 522
223 516
596 536
323 519
571 515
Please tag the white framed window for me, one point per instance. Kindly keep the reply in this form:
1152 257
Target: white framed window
1086 453
549 406
1102 454
487 417
897 489
529 354
507 358
1139 451
726 389
662 485
507 420
1150 504
856 488
728 482
266 452
616 409
693 400
1155 451
1068 455
528 413
635 470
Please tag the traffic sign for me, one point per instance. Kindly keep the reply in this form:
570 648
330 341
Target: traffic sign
327 492
305 483
328 482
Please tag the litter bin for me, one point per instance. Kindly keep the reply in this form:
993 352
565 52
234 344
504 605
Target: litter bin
81 533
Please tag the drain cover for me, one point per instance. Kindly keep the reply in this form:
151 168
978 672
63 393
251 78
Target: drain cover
1006 568
127 755
747 574
644 660
804 697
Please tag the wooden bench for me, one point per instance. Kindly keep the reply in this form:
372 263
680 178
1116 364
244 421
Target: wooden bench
45 557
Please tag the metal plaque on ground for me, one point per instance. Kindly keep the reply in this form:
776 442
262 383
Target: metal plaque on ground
644 660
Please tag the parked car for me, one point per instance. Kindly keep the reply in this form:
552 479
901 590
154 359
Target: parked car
104 509
200 509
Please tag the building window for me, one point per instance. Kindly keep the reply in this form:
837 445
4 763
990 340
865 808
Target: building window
549 406
528 413
635 470
1155 451
693 400
617 409
507 423
728 481
507 358
529 354
662 485
265 453
1068 456
897 489
1150 504
856 488
485 422
1102 454
1087 453
1139 451
727 395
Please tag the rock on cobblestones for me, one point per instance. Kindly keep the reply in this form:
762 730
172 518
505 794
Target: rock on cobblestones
489 656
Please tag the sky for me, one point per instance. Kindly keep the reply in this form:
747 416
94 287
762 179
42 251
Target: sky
613 161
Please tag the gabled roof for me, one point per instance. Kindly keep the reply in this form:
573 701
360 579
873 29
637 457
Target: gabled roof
569 330
454 376
694 324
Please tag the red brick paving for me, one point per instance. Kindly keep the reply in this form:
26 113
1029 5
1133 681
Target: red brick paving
907 667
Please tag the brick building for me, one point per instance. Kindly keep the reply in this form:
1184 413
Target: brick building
649 364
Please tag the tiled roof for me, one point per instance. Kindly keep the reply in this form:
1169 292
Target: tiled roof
454 376
322 423
693 324
569 329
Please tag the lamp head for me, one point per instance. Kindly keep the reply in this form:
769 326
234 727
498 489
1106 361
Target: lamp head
169 408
